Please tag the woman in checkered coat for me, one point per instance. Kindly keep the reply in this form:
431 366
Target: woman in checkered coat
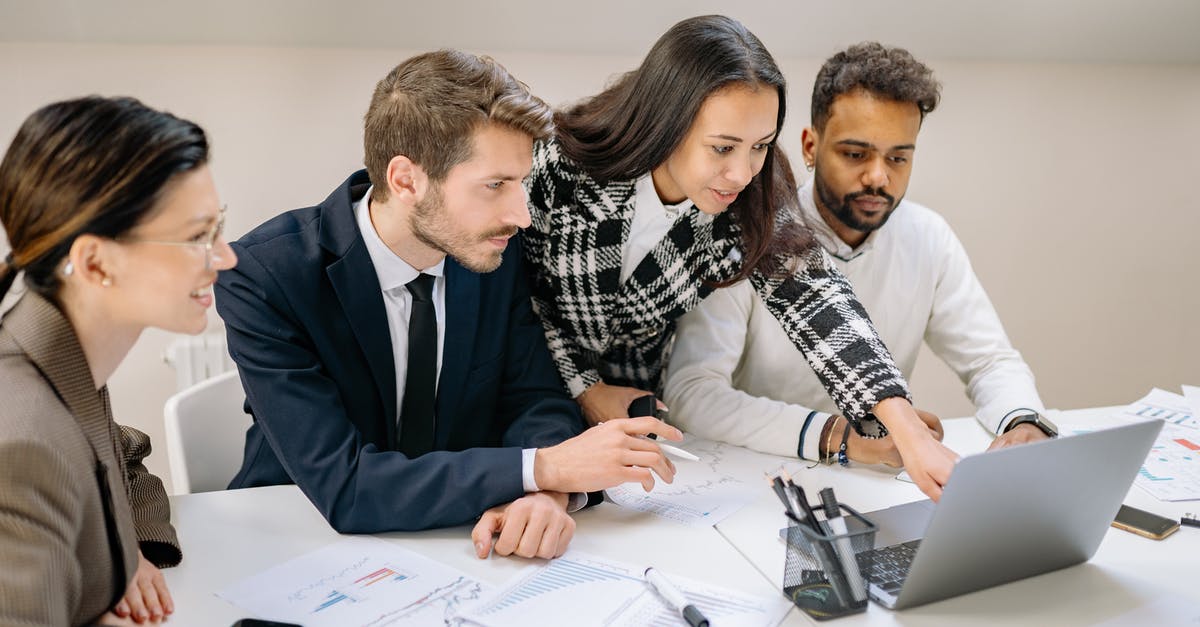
667 185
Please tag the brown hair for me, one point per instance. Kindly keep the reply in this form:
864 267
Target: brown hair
428 107
892 73
90 165
631 127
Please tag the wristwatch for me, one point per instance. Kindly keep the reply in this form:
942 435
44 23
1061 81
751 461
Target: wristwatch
1037 420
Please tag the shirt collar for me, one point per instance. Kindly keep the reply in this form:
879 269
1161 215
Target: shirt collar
392 271
647 199
825 233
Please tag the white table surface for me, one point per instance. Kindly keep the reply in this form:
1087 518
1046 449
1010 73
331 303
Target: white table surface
230 535
1127 572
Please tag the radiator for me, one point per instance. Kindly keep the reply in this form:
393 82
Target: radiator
198 358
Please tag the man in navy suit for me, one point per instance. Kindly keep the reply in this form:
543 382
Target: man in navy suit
391 359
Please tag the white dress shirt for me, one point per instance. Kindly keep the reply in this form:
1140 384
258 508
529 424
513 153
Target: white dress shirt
651 222
735 376
394 274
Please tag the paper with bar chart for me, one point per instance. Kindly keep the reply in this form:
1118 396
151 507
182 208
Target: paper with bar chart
356 581
582 589
706 492
1172 469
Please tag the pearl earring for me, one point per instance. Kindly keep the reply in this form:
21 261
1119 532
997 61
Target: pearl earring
808 166
68 269
106 282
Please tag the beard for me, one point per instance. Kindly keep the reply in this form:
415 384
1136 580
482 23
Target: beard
843 208
434 228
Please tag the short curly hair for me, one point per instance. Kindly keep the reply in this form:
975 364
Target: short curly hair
884 71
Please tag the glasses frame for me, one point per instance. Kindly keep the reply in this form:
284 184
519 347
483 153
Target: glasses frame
210 239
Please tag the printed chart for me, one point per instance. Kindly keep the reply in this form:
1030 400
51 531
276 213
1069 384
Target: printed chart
1172 469
356 581
705 492
581 589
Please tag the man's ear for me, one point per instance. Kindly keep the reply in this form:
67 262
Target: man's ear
808 145
406 181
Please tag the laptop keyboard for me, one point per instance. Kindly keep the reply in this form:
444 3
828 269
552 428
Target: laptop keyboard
889 565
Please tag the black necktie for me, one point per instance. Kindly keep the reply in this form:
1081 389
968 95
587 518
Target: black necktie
420 381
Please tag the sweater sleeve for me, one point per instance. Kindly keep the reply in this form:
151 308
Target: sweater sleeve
709 343
818 310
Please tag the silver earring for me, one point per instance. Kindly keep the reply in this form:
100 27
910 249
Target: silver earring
808 166
68 269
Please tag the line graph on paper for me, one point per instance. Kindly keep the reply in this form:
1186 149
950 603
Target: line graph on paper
356 581
581 589
705 492
1172 469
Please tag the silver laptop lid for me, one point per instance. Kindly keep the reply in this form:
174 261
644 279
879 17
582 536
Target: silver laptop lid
1025 510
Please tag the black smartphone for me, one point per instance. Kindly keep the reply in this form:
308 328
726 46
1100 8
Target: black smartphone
258 622
643 406
1144 523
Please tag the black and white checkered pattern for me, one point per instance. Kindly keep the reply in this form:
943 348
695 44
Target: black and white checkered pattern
600 329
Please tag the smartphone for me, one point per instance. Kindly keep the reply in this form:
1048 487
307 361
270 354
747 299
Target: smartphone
258 622
1144 523
643 406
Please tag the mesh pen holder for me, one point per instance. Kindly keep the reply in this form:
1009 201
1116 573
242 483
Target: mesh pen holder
824 574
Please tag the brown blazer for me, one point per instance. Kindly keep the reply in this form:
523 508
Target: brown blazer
68 544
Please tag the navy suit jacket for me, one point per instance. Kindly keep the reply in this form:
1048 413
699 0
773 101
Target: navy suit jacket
307 328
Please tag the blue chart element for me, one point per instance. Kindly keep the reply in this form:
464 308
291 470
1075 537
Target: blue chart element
1166 415
334 598
1146 473
559 574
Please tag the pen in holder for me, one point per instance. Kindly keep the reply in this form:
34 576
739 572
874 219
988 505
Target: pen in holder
824 572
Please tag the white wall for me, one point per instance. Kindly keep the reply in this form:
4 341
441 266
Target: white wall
1070 185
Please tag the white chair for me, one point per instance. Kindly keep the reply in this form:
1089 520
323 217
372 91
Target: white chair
206 433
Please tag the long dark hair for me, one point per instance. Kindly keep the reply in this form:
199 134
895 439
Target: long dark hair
631 127
90 165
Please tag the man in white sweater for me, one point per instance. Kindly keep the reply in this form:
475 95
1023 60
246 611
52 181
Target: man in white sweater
734 376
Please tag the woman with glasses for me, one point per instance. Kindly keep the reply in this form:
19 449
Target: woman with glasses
667 185
115 226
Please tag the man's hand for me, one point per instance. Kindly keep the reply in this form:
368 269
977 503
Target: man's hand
146 598
603 402
605 456
882 450
1023 433
927 460
535 525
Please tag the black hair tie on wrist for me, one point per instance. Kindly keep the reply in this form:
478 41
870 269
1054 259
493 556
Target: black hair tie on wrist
842 458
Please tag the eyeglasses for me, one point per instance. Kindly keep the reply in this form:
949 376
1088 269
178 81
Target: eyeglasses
207 240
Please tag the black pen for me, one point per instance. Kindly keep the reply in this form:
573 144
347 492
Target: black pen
845 551
675 598
826 553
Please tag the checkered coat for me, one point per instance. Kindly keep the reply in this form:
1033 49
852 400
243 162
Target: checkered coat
598 328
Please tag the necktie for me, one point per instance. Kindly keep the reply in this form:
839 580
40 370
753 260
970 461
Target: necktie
420 381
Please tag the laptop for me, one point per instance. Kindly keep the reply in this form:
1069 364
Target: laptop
1006 515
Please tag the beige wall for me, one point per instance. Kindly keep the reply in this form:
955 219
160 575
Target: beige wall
1070 185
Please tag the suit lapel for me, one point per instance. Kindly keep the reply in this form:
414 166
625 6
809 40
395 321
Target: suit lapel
462 322
46 336
357 287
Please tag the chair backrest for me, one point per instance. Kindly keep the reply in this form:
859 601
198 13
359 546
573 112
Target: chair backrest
206 433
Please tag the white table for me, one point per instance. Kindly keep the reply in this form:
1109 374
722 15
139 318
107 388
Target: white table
1127 572
230 535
